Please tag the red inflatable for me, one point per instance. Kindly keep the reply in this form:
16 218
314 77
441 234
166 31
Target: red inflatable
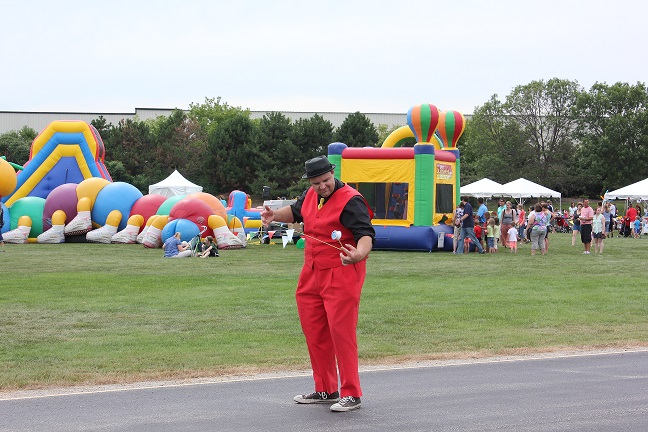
193 209
147 206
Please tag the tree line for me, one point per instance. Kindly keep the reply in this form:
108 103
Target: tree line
575 141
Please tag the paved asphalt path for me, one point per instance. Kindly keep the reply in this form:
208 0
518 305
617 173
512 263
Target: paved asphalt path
579 392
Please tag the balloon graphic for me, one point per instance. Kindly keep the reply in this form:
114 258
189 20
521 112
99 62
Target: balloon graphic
451 126
423 120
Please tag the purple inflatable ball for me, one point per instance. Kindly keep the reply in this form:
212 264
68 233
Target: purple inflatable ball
64 198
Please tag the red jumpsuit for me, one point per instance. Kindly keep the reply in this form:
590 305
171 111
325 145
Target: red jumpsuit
328 296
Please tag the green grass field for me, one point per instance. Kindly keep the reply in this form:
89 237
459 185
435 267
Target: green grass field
89 314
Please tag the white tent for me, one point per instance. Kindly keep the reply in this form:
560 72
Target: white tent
523 188
635 191
484 188
173 185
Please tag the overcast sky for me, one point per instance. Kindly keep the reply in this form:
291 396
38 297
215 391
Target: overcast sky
367 55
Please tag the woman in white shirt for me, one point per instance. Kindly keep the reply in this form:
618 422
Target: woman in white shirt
598 230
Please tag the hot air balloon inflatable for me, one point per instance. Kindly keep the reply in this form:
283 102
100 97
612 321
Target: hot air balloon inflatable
413 191
450 128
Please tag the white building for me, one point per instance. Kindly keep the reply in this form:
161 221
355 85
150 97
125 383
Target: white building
16 120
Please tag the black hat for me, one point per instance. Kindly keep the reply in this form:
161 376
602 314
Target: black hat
317 166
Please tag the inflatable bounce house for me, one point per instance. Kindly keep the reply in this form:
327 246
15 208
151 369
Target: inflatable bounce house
412 191
64 193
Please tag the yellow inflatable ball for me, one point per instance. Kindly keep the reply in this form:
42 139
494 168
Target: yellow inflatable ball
8 179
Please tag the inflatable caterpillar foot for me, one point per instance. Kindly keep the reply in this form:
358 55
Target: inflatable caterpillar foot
140 237
52 235
153 238
102 235
225 239
127 236
81 224
18 235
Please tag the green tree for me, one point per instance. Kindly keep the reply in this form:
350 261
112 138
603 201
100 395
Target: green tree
118 171
493 143
212 112
130 143
280 158
103 127
384 131
613 129
311 137
357 131
234 157
16 145
546 114
179 143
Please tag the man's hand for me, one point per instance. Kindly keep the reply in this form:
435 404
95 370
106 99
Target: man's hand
267 216
349 254
352 255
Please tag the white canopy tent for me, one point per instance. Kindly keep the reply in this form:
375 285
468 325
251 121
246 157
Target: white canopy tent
634 192
173 185
484 188
522 188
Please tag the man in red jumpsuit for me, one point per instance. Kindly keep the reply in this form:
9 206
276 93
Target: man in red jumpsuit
330 283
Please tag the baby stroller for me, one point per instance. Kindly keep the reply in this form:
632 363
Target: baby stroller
562 225
196 242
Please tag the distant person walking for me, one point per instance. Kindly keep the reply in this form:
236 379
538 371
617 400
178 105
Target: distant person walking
521 223
576 226
507 220
586 218
598 230
538 221
468 228
513 238
457 226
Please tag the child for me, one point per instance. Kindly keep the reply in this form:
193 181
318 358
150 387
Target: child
497 232
490 235
513 238
636 229
209 248
598 230
478 232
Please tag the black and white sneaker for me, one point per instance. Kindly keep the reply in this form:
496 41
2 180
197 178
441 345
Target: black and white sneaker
347 403
317 397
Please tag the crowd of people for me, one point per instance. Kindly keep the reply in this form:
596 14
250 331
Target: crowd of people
510 225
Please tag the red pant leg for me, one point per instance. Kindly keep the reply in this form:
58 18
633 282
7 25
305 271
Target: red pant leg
314 322
328 302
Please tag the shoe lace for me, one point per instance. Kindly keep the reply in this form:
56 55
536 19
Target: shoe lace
346 400
323 395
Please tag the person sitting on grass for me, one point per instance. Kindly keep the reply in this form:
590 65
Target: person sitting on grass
176 248
209 248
